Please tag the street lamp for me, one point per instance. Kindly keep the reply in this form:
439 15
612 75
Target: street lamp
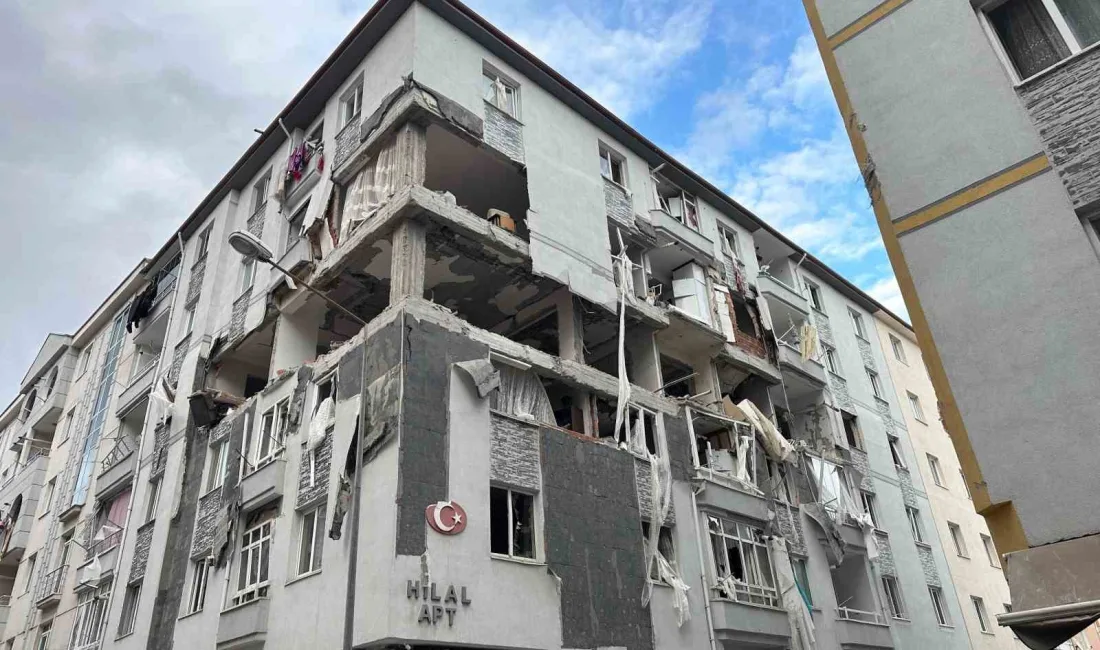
251 246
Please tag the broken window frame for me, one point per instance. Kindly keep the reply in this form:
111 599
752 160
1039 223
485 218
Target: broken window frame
612 165
800 568
310 541
272 439
852 433
665 546
832 364
759 584
532 524
203 245
254 578
867 502
245 466
733 433
895 602
688 214
492 81
895 451
814 292
731 245
939 606
351 103
295 225
329 379
651 435
783 491
916 527
833 498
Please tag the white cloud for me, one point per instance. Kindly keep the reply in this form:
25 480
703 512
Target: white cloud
886 291
623 55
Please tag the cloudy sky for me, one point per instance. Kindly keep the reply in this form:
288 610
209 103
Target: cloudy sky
119 118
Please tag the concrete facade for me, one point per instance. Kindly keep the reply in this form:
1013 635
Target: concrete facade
992 150
479 365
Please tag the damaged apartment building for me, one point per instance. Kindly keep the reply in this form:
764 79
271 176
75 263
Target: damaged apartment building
588 400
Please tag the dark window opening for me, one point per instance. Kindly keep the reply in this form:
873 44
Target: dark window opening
664 547
851 431
541 333
678 380
511 523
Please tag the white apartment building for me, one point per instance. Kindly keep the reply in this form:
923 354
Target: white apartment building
588 399
971 556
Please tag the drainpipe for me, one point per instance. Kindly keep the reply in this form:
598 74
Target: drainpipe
698 532
140 452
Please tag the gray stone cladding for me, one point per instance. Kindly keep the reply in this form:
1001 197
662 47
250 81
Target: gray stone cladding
928 565
643 483
315 491
888 423
843 398
221 430
908 492
256 221
789 523
617 203
885 560
240 310
177 359
210 507
347 140
160 449
866 353
514 453
837 384
141 551
860 462
1065 106
503 133
194 283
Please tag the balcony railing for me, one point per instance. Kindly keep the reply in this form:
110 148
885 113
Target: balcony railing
122 449
52 584
859 616
742 592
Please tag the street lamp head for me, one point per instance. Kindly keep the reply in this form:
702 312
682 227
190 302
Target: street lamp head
250 245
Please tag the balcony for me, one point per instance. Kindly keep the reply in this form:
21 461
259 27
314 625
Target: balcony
49 590
263 485
690 241
244 626
857 629
743 624
117 469
809 373
45 414
788 307
138 389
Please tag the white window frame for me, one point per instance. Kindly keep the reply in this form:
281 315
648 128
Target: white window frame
966 486
29 567
535 546
152 499
248 274
203 245
895 451
1060 23
939 606
980 612
867 501
898 348
915 407
219 463
128 618
990 551
814 295
44 631
959 539
613 160
894 599
91 618
270 441
857 323
835 488
351 103
936 469
731 243
492 81
188 320
200 580
832 363
664 534
47 500
311 535
876 383
759 586
260 191
915 525
253 582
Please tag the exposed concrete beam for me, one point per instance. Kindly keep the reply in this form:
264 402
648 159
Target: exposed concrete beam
407 264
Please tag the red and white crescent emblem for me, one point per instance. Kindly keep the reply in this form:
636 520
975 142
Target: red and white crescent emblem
446 517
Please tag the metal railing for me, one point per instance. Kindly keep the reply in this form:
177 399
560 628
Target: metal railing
122 450
742 592
52 584
859 616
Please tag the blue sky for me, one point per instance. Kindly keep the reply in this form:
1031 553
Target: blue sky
120 117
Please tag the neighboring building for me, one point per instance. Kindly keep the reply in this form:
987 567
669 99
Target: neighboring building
525 264
975 124
971 556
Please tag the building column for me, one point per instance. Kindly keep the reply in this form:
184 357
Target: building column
641 348
407 264
411 160
570 327
296 336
